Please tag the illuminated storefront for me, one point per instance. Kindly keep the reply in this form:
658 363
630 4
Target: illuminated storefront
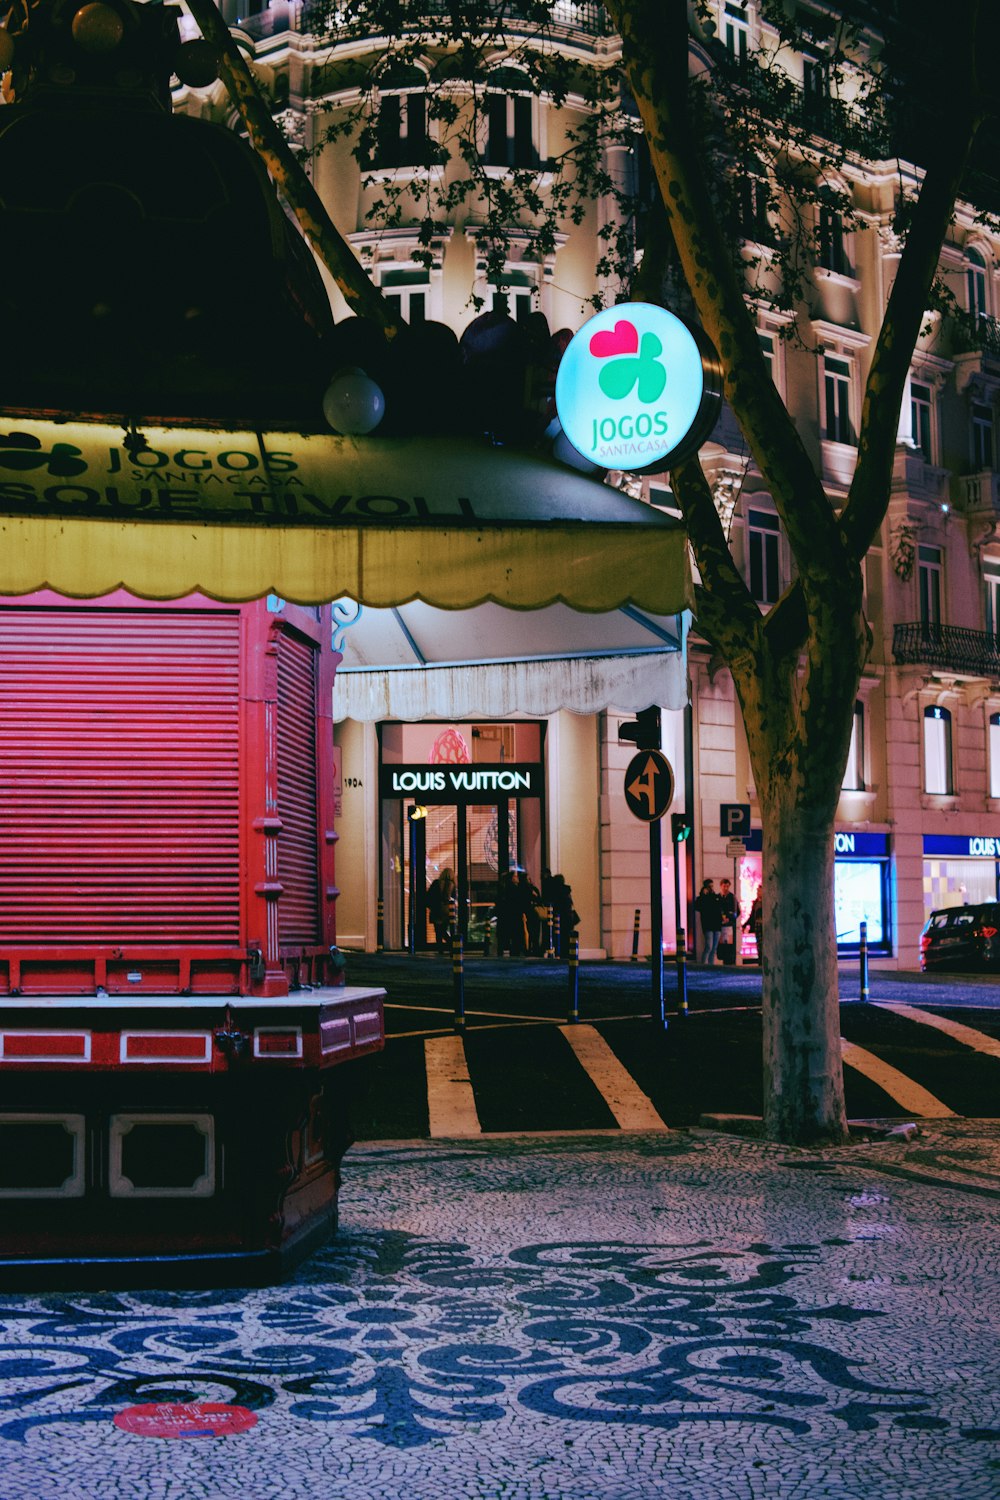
861 888
960 869
483 787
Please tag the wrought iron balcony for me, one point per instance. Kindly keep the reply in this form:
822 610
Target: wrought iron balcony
567 18
946 648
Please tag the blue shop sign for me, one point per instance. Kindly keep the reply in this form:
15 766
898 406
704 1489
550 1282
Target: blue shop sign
963 845
850 845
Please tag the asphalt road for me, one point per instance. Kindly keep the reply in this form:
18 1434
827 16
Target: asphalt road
519 1067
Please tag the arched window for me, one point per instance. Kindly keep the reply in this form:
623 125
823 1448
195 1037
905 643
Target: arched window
937 751
975 284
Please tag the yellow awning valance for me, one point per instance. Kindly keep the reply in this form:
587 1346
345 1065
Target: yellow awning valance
236 515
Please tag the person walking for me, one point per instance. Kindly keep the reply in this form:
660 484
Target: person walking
729 916
709 909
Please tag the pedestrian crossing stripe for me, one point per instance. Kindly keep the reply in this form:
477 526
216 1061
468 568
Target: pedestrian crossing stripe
906 1093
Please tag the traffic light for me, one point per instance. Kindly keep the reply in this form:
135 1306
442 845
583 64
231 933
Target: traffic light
643 731
680 827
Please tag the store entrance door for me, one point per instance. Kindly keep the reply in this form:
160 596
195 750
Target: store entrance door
475 842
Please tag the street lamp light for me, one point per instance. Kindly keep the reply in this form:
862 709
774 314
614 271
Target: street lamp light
415 815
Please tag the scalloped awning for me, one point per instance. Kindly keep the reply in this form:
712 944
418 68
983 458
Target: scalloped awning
237 515
416 662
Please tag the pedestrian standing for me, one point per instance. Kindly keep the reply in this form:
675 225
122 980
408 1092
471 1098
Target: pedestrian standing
729 913
511 930
709 909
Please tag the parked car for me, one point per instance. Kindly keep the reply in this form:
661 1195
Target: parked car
962 937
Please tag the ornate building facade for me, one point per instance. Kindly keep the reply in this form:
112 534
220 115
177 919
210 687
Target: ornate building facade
919 816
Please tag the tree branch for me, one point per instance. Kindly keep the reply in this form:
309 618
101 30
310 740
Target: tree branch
907 306
722 584
655 54
362 296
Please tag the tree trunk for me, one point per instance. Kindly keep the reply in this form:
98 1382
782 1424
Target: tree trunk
803 1072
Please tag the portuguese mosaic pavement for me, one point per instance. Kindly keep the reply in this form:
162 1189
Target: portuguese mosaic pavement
697 1316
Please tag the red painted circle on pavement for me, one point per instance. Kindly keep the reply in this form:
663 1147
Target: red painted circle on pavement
175 1419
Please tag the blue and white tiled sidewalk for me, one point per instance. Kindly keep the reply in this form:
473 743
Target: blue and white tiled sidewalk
695 1316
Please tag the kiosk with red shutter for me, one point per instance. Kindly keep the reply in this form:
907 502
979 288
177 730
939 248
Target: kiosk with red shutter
173 1012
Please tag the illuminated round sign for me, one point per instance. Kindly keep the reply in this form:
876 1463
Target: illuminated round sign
637 387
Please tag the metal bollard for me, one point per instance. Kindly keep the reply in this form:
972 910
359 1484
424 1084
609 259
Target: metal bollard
458 981
863 956
682 973
380 927
550 946
573 1009
635 937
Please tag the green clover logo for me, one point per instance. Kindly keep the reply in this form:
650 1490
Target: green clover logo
640 367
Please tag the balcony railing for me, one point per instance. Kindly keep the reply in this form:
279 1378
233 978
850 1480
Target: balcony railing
946 648
566 18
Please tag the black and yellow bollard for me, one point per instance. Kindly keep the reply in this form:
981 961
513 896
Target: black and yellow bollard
682 973
458 980
573 1008
556 937
380 926
550 945
635 937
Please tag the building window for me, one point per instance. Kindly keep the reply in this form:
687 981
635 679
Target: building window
929 588
837 389
854 772
407 294
815 89
766 341
401 131
771 348
994 730
991 579
975 284
937 752
516 299
831 248
982 437
763 555
736 29
752 204
510 130
920 418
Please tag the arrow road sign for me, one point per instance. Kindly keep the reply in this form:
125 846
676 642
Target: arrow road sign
649 785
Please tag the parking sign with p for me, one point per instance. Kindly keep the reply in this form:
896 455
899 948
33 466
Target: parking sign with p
734 820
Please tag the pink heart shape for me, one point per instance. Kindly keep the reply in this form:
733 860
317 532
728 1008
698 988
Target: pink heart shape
622 339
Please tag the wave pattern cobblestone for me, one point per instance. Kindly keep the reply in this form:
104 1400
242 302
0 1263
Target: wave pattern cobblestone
696 1315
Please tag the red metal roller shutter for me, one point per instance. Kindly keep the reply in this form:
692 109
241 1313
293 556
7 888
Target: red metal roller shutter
119 763
298 862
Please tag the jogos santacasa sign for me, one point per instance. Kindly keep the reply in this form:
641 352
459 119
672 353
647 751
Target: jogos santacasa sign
637 388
